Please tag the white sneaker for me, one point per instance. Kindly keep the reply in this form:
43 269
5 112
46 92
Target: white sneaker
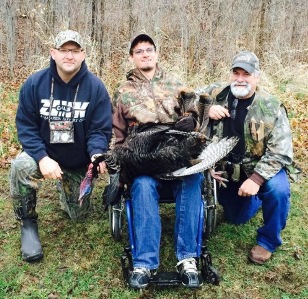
188 271
139 278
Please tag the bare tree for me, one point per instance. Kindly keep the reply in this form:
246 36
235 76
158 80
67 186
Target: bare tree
11 34
196 38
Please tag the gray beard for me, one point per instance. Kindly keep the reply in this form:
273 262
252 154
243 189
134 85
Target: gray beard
239 92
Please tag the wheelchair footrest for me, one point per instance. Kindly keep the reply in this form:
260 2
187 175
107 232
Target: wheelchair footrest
208 273
166 279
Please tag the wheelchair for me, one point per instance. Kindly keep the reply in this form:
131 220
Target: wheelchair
207 223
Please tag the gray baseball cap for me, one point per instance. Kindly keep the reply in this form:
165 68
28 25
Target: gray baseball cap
68 36
247 61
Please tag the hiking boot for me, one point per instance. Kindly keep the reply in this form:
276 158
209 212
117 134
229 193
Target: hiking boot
139 278
31 248
259 255
190 277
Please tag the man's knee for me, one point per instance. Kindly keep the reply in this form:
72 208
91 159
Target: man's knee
23 170
277 188
143 184
22 167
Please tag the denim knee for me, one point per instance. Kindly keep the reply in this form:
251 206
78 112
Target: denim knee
276 189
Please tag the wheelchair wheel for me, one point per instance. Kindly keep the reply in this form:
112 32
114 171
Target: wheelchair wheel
115 221
210 213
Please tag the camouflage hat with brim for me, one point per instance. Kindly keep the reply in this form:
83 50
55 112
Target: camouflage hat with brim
68 36
247 61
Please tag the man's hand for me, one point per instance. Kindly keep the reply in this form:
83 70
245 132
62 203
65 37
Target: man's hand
218 112
102 167
248 188
50 169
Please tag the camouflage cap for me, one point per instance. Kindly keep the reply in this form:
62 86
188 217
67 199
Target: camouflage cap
247 61
68 36
140 38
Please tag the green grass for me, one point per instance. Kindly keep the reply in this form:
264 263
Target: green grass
83 261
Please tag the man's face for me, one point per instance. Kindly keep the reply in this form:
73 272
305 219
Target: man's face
68 63
144 56
243 84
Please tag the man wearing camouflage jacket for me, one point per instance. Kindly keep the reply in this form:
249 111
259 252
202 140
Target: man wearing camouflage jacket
148 96
256 167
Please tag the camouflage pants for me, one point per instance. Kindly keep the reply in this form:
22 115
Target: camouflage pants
26 180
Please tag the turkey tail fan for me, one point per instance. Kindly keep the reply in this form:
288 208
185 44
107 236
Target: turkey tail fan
214 152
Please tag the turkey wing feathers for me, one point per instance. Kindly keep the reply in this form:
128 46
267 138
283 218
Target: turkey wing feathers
214 152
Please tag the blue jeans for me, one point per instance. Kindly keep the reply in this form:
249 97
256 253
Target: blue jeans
146 219
273 197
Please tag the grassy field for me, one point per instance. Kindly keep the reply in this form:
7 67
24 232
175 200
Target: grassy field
83 261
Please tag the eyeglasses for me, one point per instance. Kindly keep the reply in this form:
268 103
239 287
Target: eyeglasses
141 51
66 51
233 110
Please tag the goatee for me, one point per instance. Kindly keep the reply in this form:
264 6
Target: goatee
240 92
146 69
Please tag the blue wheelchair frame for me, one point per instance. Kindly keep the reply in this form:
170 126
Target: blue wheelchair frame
207 223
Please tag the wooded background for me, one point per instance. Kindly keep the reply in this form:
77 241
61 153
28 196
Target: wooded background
196 38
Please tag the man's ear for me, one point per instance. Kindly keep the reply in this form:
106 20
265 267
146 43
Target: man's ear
130 59
52 53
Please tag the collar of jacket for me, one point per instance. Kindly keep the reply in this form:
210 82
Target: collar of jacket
136 75
222 95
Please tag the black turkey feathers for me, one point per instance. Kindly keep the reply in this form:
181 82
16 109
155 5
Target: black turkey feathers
164 152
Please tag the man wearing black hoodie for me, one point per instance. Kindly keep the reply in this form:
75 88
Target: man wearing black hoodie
64 120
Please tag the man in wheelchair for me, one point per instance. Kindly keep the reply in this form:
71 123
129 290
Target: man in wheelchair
149 96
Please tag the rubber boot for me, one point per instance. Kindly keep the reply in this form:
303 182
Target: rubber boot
31 248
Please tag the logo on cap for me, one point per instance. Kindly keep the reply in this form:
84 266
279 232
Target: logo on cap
247 61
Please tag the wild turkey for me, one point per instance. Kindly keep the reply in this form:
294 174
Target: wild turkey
162 151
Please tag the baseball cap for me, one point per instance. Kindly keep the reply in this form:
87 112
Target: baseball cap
247 61
68 36
140 38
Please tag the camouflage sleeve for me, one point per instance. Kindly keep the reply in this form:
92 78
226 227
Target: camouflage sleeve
279 151
217 86
201 90
119 121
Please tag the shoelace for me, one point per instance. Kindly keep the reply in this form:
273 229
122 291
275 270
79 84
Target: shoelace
142 271
189 265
